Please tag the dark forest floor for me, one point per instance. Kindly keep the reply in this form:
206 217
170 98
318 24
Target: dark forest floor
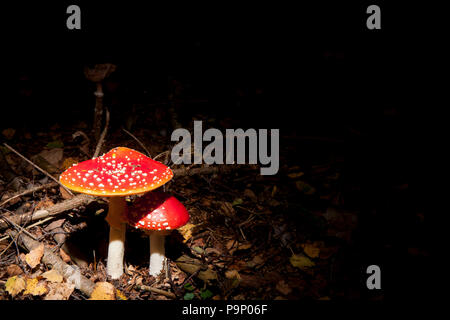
308 232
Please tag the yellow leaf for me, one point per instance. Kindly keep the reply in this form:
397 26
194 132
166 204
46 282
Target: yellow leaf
35 288
186 231
15 285
34 257
120 295
232 274
103 291
301 261
53 276
311 250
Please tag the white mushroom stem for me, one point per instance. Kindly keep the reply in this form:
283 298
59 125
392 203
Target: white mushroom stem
157 252
117 228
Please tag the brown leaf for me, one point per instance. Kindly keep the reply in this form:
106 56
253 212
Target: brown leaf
64 194
45 203
64 256
103 291
13 270
55 224
283 287
34 257
53 276
59 291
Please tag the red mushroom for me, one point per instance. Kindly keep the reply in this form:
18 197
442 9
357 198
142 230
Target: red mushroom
116 174
158 214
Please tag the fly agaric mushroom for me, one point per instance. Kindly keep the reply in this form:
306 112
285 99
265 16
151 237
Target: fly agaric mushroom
119 173
158 214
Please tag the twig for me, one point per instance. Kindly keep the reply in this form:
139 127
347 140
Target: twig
102 136
31 190
137 140
58 208
158 291
19 228
38 168
31 226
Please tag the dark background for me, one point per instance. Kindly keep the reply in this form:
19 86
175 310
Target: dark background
306 69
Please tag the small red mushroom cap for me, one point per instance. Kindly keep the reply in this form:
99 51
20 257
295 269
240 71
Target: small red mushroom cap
119 172
157 211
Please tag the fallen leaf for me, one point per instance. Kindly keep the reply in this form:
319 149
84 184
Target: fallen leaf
295 175
59 291
283 287
301 261
256 261
64 256
232 274
305 188
311 250
53 156
34 257
55 224
237 201
64 194
186 231
45 203
15 285
68 162
35 288
120 295
13 270
53 276
251 195
103 291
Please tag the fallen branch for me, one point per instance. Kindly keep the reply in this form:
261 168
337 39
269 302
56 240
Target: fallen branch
21 219
70 273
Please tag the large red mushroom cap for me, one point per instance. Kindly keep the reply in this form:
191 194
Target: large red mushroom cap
157 211
120 172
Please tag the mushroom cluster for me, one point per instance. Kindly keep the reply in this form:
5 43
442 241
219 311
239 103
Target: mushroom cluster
119 173
157 214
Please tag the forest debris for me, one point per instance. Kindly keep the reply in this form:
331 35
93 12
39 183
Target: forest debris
193 266
301 261
59 291
52 156
8 133
226 208
64 256
305 188
30 190
55 224
311 250
33 258
186 231
44 203
283 287
53 276
156 290
69 272
256 261
13 270
103 291
64 194
35 288
79 200
251 195
15 285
